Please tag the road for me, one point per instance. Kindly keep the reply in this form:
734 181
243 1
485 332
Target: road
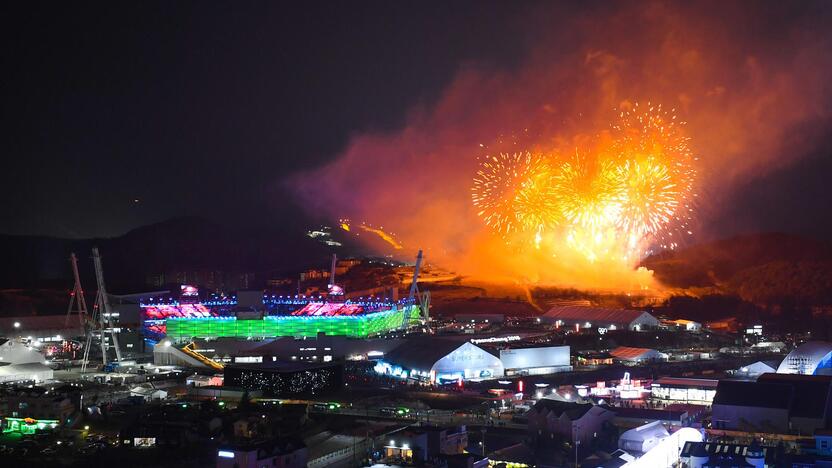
437 417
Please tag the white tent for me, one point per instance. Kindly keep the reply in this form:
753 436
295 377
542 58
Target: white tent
643 438
755 369
148 392
14 352
32 371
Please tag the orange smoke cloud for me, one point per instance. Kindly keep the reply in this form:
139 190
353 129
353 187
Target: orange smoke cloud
742 80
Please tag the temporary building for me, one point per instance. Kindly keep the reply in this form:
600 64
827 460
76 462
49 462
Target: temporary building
624 353
643 438
598 317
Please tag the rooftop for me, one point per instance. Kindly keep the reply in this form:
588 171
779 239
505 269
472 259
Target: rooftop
422 352
572 410
649 413
753 394
686 382
627 353
267 448
593 314
812 393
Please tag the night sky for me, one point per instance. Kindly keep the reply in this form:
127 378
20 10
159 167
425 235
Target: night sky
116 115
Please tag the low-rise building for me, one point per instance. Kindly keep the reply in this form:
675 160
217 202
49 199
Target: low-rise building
641 439
149 392
535 360
569 316
420 444
629 417
204 380
630 355
172 425
684 390
572 421
440 360
717 455
38 403
681 324
281 453
775 403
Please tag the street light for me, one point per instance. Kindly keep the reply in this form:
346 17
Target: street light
576 442
17 324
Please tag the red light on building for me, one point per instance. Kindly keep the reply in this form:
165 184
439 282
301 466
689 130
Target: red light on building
459 382
520 386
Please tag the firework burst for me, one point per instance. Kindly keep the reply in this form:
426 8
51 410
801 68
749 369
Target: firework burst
633 190
657 173
586 192
512 193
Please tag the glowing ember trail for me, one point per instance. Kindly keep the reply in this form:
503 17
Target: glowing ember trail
383 235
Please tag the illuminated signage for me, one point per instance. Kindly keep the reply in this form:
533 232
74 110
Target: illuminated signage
188 290
225 454
496 339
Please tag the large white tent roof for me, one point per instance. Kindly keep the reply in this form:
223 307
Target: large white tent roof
807 358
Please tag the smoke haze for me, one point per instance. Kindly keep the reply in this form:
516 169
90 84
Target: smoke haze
750 79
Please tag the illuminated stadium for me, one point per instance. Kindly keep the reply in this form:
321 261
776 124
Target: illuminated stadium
296 316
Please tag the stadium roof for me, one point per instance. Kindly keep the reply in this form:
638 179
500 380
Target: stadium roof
329 309
595 314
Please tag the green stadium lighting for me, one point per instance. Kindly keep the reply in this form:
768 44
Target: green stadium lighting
356 326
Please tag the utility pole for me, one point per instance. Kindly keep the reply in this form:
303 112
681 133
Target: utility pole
484 452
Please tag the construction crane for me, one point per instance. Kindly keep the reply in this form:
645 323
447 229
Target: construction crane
102 317
76 297
415 294
332 288
332 271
